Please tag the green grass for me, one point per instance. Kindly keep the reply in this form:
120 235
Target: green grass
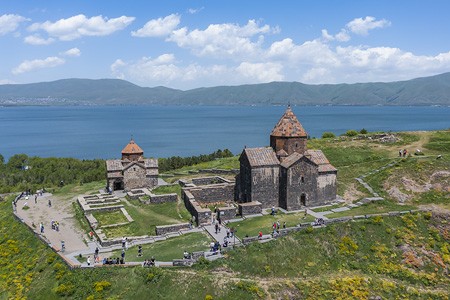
376 207
227 163
252 226
439 141
168 189
147 216
71 190
109 217
169 249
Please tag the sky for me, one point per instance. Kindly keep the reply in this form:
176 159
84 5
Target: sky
192 44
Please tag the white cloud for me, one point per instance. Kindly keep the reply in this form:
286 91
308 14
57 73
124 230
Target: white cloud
7 81
72 52
30 65
37 40
10 22
262 72
158 27
195 10
362 26
223 40
78 26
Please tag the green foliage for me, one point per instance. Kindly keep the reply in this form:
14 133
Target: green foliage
177 162
47 172
363 131
100 286
153 275
328 135
439 141
250 287
351 133
64 289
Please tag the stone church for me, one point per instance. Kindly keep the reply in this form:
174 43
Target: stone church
286 174
132 171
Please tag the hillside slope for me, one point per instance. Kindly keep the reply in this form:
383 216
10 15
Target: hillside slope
434 90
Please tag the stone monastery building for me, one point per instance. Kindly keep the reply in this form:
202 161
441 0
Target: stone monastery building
132 171
286 174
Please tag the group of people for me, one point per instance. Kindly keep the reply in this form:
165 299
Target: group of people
214 246
112 261
402 153
149 262
54 225
318 222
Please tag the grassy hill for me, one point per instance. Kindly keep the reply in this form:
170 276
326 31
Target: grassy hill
404 257
433 90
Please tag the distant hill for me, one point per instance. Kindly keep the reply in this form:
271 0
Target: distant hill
434 90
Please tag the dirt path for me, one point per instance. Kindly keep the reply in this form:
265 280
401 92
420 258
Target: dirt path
61 211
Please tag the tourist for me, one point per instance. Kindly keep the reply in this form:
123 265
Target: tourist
186 255
88 260
139 251
260 235
400 153
126 244
104 261
217 227
284 225
145 263
152 261
42 228
228 232
96 251
49 203
278 224
306 213
211 246
35 199
123 242
273 210
63 246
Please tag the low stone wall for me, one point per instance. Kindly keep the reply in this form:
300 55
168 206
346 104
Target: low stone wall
219 171
202 215
250 208
227 213
222 192
160 230
209 180
163 198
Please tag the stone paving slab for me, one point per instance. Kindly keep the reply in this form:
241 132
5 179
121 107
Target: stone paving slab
340 209
351 205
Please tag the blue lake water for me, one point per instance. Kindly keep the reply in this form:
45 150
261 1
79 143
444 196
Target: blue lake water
162 131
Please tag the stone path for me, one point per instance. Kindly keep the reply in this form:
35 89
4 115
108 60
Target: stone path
60 211
221 234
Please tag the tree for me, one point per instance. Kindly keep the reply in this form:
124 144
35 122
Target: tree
2 160
363 131
17 161
328 135
351 133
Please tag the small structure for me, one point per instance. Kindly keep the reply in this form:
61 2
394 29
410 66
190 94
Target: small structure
286 174
132 171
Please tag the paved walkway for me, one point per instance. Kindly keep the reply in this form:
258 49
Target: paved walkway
61 211
219 236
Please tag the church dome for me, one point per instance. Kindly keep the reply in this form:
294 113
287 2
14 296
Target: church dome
132 148
288 126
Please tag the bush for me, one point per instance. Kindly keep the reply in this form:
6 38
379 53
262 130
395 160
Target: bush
99 286
363 131
64 289
328 135
351 133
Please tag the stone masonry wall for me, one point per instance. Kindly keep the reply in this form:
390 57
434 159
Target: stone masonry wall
163 198
209 180
202 215
250 208
160 230
265 185
227 213
326 187
223 192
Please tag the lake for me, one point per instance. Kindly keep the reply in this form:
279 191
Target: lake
102 131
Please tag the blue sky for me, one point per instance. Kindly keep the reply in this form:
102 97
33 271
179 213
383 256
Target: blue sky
190 44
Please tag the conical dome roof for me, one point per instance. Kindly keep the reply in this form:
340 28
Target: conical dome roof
289 126
132 148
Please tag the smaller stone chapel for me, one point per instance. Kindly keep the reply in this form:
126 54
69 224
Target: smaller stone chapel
132 171
287 174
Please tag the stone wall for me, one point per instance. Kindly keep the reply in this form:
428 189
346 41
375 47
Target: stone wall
202 215
326 187
227 213
163 198
219 171
265 185
160 230
134 177
250 208
209 180
223 192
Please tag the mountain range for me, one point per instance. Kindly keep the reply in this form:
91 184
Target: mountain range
433 90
